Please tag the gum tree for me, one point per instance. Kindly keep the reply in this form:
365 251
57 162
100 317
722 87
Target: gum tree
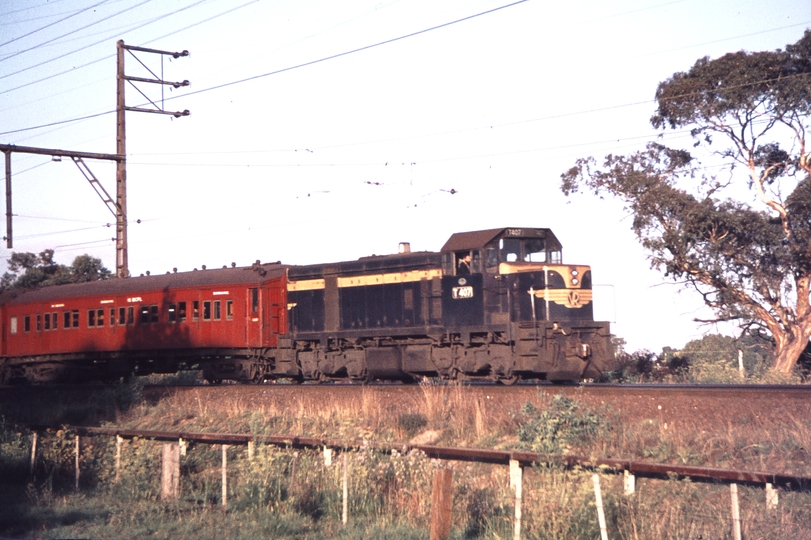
31 271
736 228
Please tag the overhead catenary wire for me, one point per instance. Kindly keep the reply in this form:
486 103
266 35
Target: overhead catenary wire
41 28
289 68
61 36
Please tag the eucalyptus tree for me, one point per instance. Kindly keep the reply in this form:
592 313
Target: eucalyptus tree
729 216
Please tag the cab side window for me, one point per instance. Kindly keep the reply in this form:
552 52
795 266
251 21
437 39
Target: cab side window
464 263
491 260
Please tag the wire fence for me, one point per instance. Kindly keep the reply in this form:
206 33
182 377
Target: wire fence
175 444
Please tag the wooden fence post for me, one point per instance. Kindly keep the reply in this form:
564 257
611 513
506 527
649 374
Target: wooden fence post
293 474
345 486
225 477
441 504
598 496
170 479
33 454
736 513
77 463
629 483
771 496
516 484
251 450
327 457
118 442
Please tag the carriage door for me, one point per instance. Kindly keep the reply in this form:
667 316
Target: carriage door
253 319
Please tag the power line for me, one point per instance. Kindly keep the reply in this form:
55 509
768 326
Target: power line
65 35
359 49
74 68
88 117
201 22
48 26
52 2
546 118
256 76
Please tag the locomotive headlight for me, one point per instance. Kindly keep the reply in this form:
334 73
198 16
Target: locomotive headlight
574 272
574 281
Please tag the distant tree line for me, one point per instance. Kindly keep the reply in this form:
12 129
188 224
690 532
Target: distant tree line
712 359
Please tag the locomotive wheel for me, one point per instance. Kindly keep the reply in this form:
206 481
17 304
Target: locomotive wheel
509 381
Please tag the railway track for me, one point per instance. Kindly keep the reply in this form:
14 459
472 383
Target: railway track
714 391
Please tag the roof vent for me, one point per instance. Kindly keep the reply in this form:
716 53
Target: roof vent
203 267
174 270
405 247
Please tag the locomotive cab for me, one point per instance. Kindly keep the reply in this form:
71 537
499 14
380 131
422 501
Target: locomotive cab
517 275
519 286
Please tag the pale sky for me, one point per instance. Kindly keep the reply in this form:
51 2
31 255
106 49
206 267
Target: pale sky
464 127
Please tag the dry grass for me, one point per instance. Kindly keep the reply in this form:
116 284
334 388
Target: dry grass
392 493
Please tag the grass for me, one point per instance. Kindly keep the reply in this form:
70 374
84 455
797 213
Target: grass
282 493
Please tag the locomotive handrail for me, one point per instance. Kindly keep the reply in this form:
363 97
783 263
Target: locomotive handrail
644 469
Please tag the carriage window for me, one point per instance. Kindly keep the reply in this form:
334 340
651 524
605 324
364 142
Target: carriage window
143 317
254 300
126 315
74 315
95 317
66 315
47 321
207 310
27 323
54 320
181 311
13 322
172 312
229 309
195 310
217 310
39 322
112 316
153 311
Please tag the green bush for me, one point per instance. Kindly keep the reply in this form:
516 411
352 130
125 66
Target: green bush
564 422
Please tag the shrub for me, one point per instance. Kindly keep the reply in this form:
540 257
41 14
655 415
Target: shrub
554 430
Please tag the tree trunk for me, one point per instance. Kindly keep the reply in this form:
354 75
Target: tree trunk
786 357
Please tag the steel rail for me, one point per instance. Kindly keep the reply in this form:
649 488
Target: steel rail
644 469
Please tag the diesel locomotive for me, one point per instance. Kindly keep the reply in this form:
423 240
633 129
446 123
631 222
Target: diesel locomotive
497 305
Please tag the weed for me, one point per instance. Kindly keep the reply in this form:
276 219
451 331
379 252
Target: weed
411 423
563 423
